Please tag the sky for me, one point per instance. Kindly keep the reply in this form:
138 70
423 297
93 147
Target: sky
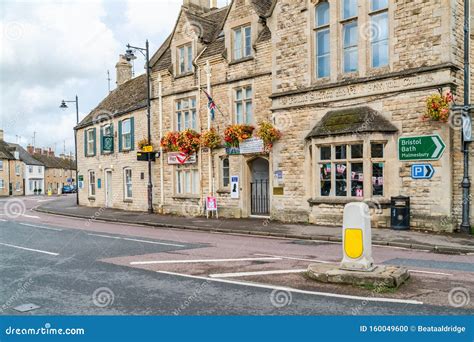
52 50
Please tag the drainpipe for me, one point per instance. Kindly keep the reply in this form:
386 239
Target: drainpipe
162 167
466 183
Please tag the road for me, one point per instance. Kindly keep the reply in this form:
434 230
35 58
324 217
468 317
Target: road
67 266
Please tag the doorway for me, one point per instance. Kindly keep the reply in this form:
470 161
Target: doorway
259 187
108 189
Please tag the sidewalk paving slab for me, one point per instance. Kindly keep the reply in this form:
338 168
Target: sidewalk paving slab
439 243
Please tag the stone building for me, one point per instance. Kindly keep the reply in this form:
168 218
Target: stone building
59 171
11 170
342 80
34 171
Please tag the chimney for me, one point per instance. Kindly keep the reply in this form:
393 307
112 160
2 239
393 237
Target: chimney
124 70
213 4
50 152
1 134
199 5
38 151
30 149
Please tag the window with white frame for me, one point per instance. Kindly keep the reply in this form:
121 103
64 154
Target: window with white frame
225 172
350 36
18 187
127 183
1 165
17 170
40 169
380 37
30 169
185 59
126 135
342 170
2 184
90 141
91 183
242 42
186 117
243 106
187 181
322 40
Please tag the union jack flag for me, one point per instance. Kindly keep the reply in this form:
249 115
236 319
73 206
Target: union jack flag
211 105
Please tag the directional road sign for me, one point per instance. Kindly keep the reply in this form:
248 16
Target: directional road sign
422 171
427 147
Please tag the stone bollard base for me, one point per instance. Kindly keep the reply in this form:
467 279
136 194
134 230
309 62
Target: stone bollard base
380 276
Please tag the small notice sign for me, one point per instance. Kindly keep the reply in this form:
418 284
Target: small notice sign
251 146
211 206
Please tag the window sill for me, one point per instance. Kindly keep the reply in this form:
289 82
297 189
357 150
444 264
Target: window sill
223 191
186 74
186 197
128 200
92 199
242 60
128 150
376 202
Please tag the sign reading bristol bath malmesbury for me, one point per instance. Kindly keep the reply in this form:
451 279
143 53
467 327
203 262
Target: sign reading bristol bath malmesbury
427 147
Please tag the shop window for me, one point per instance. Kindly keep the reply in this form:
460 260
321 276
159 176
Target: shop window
243 105
322 40
186 117
187 181
342 170
225 172
91 183
127 183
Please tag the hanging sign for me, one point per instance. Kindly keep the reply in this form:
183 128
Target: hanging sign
234 187
176 158
251 146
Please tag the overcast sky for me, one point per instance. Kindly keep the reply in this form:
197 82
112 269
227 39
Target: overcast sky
52 50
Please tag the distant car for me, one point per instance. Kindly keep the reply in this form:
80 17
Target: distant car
69 189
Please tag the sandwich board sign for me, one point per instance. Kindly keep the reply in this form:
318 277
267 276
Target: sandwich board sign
427 147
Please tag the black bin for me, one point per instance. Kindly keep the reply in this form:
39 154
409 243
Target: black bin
400 213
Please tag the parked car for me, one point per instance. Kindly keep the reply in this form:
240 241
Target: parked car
69 189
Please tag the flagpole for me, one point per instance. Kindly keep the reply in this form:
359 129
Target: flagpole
211 177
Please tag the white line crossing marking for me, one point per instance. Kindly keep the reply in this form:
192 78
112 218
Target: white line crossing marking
29 249
40 227
191 261
247 274
293 290
30 216
137 240
298 259
428 272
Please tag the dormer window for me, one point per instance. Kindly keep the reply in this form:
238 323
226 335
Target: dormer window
242 42
185 59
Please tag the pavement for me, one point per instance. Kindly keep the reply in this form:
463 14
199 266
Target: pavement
439 243
73 266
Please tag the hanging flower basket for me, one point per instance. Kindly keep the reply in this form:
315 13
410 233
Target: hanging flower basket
211 139
268 133
142 143
437 107
170 142
235 134
189 142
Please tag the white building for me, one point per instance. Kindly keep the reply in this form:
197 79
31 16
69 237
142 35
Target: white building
33 178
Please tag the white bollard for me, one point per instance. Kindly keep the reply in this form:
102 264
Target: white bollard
357 238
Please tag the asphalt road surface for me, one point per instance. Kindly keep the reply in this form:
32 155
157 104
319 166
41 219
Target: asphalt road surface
65 266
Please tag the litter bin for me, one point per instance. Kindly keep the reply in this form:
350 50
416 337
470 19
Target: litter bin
400 213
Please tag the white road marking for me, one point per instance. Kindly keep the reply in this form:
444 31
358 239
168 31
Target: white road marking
45 200
427 272
41 227
293 290
247 274
191 261
30 216
29 249
298 259
2 220
137 240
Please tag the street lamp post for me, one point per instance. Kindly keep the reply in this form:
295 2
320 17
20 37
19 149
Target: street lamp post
129 55
65 106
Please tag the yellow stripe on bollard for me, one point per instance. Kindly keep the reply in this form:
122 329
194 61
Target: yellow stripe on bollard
353 243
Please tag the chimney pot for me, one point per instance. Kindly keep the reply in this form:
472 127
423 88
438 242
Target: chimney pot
1 134
123 69
30 149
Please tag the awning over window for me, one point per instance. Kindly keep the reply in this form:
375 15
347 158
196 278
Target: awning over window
351 121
